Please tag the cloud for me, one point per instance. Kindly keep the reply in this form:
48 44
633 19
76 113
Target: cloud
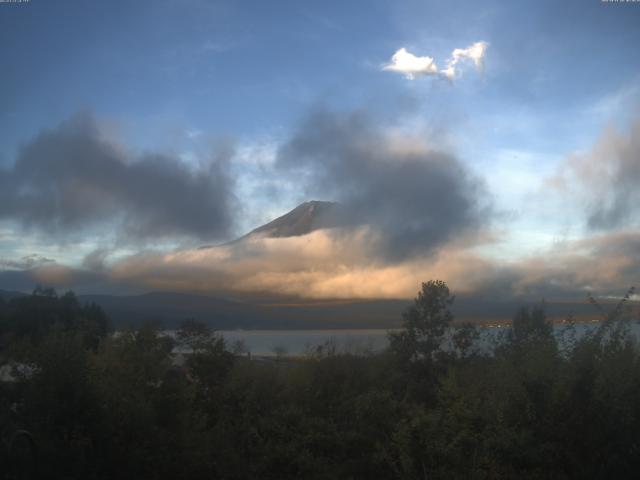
413 66
61 277
338 263
605 179
343 263
411 212
328 263
71 180
408 212
607 264
415 198
194 133
25 263
95 260
474 53
404 62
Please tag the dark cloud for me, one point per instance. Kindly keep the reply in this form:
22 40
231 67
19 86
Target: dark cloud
95 260
606 179
606 264
70 179
26 262
61 278
415 198
622 154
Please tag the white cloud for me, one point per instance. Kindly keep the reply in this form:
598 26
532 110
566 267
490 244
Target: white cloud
404 62
474 52
413 66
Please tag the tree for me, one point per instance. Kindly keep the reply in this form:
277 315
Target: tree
33 317
531 324
207 356
464 339
425 323
194 335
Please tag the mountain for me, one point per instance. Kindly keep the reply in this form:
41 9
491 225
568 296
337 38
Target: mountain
8 294
303 219
171 308
292 314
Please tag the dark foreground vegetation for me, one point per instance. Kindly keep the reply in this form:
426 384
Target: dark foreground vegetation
439 403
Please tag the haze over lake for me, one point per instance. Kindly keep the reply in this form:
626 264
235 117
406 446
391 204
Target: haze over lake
363 342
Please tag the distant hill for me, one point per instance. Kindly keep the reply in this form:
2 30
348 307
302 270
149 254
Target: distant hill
171 308
269 312
8 294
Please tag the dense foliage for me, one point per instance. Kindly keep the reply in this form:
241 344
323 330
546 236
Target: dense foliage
441 402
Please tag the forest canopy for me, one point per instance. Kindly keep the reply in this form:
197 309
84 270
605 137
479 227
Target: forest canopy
442 401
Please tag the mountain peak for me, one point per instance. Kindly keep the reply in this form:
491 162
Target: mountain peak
305 218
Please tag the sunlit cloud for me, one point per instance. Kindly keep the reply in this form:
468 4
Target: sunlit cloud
342 264
413 66
474 53
329 263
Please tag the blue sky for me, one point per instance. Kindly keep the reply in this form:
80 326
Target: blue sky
247 68
186 78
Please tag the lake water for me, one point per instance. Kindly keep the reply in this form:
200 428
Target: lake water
360 341
300 342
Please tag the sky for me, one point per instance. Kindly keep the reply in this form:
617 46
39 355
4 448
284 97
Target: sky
492 144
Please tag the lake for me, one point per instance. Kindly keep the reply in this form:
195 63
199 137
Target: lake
300 342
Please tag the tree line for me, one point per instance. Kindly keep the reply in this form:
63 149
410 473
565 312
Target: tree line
439 402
